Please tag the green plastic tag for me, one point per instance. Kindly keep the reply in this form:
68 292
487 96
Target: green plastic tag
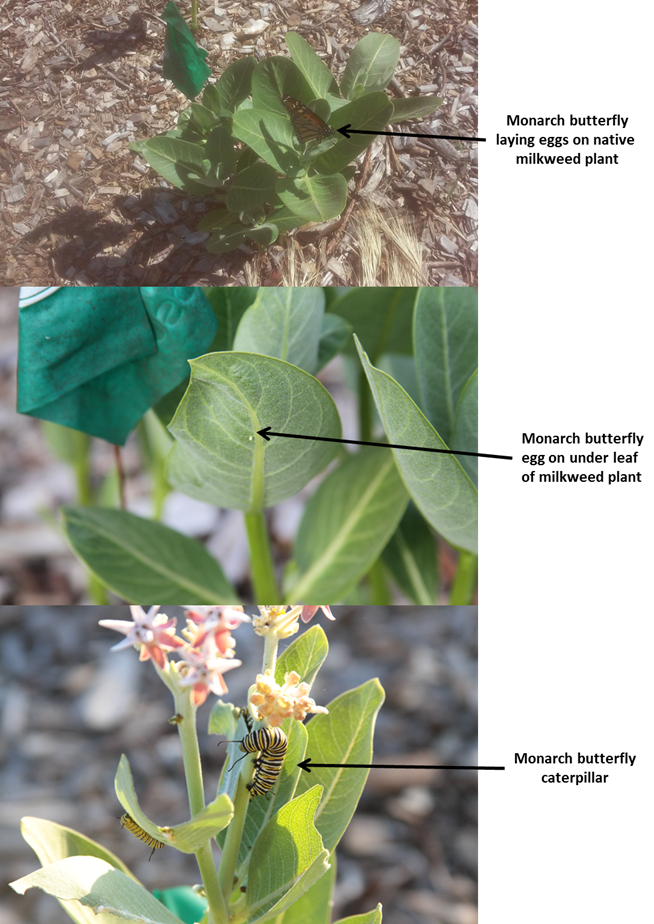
95 359
184 62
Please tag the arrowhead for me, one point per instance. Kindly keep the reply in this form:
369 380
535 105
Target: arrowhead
305 764
264 433
344 131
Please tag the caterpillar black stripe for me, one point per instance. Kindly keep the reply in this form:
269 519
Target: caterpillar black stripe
272 742
128 822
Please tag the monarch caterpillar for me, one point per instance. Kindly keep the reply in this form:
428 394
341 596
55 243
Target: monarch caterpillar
306 124
128 822
272 742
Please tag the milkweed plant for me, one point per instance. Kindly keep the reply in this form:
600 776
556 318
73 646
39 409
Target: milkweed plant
410 357
277 838
248 146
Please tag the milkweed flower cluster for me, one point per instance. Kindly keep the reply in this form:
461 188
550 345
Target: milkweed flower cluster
206 650
274 702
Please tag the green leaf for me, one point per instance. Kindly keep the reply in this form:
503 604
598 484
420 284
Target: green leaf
314 198
436 481
284 322
177 161
304 656
382 318
270 135
97 885
204 118
464 436
264 234
285 220
227 239
229 304
371 917
315 906
251 187
235 83
334 334
219 456
52 842
370 113
413 107
411 558
342 737
371 65
445 338
187 837
141 560
287 859
124 786
347 523
221 153
313 69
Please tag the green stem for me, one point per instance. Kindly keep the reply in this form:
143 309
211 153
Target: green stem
194 15
270 645
193 772
465 580
233 840
263 572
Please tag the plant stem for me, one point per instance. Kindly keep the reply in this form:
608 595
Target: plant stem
193 772
270 645
380 593
194 15
263 572
463 586
233 840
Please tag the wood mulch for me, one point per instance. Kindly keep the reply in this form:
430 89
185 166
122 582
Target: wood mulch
80 79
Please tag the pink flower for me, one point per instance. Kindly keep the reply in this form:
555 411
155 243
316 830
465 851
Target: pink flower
308 612
152 633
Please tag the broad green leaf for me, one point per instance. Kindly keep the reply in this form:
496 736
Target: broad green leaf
411 558
368 114
334 334
436 481
222 719
187 837
287 859
204 118
221 153
342 737
315 906
304 656
314 198
284 322
251 187
381 317
229 304
264 234
142 560
445 338
347 523
95 884
413 107
52 842
235 82
371 65
217 219
464 436
284 219
219 456
270 135
177 161
194 834
371 917
227 239
124 786
314 70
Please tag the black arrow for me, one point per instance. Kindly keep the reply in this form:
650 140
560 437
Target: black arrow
266 433
347 131
307 760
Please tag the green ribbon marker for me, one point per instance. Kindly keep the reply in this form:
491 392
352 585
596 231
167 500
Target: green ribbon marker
184 62
95 359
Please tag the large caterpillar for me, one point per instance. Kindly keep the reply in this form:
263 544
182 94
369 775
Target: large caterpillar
272 742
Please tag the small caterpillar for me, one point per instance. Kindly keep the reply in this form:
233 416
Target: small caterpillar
128 822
